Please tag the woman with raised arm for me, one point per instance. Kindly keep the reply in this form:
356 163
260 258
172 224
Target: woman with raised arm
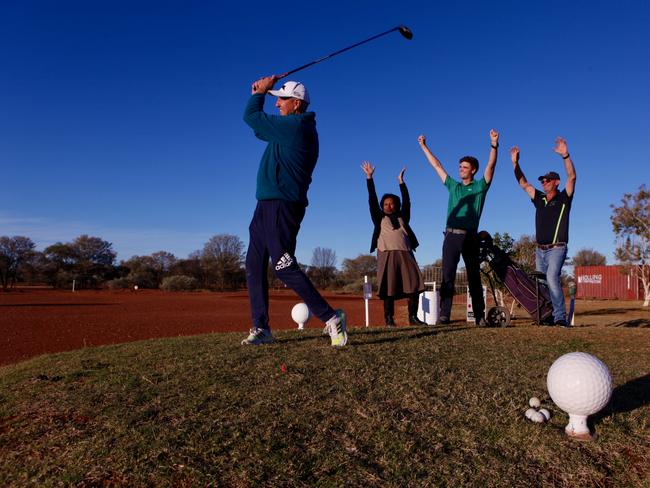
398 273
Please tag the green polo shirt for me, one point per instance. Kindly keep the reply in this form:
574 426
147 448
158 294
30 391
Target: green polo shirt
465 203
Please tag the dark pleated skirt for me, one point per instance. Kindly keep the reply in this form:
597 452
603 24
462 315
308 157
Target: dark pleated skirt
398 274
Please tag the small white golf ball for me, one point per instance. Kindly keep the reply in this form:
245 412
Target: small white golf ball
545 413
538 418
529 413
534 402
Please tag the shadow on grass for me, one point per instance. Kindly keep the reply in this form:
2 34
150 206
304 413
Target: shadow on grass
384 334
632 323
37 305
626 398
395 336
608 311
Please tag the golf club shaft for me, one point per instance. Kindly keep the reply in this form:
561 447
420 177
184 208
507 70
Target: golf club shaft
284 75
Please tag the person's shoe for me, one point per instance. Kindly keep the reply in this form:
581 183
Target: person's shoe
257 337
414 320
390 322
562 323
338 329
444 321
481 322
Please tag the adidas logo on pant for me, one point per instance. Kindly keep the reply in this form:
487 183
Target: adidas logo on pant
284 262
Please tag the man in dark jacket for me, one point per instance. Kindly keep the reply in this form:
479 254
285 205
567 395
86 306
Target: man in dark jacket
283 179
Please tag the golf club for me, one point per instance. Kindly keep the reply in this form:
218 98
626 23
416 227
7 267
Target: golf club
405 31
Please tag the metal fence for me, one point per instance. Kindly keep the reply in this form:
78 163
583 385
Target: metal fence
433 277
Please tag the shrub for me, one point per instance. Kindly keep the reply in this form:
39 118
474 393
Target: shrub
119 284
356 286
179 283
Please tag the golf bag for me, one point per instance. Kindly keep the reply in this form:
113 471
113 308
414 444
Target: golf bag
534 297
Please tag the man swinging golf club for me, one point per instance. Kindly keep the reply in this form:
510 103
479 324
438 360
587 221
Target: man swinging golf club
283 179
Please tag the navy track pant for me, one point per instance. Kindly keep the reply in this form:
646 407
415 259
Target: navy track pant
273 232
453 247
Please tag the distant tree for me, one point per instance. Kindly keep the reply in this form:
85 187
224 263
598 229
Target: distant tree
322 270
149 271
631 223
323 257
523 252
503 241
189 267
352 274
222 262
60 259
588 257
141 272
94 260
363 264
15 252
33 270
88 260
164 262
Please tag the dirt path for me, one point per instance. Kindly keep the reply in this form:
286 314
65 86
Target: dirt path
34 322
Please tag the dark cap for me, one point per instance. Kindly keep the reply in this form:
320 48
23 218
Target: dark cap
551 175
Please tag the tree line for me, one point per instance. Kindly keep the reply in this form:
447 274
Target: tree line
90 262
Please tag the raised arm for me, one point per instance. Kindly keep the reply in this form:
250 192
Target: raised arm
406 198
519 174
400 176
373 202
267 127
263 85
492 159
433 161
368 169
562 149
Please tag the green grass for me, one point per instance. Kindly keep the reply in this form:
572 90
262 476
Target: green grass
406 407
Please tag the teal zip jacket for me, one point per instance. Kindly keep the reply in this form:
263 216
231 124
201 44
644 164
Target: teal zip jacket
290 156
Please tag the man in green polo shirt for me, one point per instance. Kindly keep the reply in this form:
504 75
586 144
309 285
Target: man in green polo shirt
464 208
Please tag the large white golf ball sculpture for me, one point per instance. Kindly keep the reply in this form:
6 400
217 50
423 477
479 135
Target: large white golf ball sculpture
580 384
300 314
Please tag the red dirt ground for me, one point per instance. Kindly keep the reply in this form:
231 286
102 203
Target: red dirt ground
41 321
34 322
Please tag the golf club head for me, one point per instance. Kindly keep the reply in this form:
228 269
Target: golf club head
405 31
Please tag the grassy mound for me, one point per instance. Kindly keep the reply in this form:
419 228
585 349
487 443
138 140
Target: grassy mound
438 406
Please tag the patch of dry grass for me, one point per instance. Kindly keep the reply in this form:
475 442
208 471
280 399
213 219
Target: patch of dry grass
436 406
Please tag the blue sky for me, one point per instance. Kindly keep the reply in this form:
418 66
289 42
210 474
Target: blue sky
123 120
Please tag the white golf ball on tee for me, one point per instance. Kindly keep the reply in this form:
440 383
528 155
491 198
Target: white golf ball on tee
300 314
581 385
534 402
